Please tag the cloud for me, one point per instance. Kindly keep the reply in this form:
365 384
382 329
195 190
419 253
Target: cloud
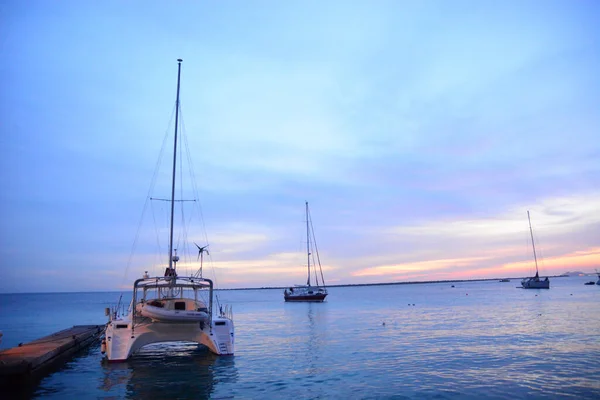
422 266
584 259
554 215
234 243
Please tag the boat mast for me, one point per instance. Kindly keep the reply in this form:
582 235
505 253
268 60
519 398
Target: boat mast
533 243
307 246
179 61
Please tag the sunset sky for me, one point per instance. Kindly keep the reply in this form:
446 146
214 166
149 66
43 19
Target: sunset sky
420 133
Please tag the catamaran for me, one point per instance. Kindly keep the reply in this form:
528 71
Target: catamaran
534 282
171 307
309 292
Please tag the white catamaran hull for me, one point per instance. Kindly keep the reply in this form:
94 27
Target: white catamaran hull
121 341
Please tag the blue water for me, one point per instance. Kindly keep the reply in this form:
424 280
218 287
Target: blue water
478 340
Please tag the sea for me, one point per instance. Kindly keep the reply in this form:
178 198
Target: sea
460 340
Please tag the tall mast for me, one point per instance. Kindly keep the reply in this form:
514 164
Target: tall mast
533 243
307 246
179 61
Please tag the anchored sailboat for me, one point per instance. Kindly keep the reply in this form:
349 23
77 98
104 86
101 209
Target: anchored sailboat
534 282
171 307
308 292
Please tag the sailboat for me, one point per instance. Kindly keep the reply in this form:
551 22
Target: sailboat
171 307
309 292
534 282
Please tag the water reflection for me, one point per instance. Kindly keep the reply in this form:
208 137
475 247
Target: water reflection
309 330
167 371
312 342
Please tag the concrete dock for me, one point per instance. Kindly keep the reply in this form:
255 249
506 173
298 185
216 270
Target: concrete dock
26 364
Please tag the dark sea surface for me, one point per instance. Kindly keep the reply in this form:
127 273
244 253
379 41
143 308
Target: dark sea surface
477 340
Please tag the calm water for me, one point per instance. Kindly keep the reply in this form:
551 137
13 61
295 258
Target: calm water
476 340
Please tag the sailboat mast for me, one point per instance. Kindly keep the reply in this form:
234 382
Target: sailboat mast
174 166
307 246
533 243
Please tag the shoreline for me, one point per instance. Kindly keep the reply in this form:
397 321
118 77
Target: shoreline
339 285
395 283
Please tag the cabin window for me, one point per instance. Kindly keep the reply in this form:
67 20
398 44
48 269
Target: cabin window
180 305
220 323
204 309
121 326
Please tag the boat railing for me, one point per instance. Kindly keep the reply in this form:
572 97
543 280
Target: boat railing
226 312
117 311
162 282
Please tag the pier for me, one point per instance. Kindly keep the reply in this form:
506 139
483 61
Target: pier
27 363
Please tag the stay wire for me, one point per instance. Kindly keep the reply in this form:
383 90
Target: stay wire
147 199
195 191
316 250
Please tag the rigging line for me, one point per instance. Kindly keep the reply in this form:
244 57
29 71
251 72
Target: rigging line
156 230
195 191
179 233
157 254
532 254
186 245
317 251
183 234
538 249
531 257
185 226
176 201
313 261
190 162
312 241
150 189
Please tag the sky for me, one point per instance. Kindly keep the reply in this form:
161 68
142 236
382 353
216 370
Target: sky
420 133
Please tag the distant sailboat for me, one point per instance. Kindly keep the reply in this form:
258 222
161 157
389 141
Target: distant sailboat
534 282
308 292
